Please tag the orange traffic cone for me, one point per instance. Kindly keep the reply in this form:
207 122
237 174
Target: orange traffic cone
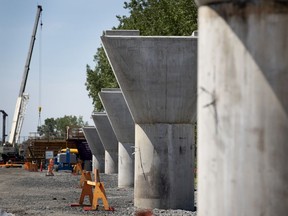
50 168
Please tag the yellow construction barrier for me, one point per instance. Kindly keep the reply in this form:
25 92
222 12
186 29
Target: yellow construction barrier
77 169
26 165
85 176
94 196
31 167
86 189
11 165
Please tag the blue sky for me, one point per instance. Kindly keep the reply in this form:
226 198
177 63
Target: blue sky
69 39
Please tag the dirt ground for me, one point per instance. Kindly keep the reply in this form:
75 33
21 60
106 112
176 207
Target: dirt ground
34 193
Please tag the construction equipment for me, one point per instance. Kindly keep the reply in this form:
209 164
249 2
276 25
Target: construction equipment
22 99
9 152
72 150
3 134
65 161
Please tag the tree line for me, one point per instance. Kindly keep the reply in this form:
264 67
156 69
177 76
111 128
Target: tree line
56 128
151 17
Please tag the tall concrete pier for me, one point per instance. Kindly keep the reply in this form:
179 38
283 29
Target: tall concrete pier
96 147
243 108
109 141
124 128
158 77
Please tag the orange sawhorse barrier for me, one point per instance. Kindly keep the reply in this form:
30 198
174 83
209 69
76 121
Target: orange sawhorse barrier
32 167
77 169
86 189
99 193
85 176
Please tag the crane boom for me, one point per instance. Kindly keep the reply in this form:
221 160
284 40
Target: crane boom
22 98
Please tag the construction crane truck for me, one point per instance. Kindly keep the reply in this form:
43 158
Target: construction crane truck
22 100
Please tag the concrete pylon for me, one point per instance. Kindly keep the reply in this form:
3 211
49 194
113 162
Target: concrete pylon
157 76
243 108
96 147
124 129
109 141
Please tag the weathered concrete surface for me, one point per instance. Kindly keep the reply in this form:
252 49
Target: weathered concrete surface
118 114
124 128
126 165
96 147
122 32
109 141
164 161
240 2
243 109
206 2
157 76
97 165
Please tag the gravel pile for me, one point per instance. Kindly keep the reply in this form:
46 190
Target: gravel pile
34 193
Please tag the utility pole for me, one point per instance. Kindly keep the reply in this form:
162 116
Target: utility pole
4 126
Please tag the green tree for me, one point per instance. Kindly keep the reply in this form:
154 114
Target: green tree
151 17
56 128
165 17
48 129
101 77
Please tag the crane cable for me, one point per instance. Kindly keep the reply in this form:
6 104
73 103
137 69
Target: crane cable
40 73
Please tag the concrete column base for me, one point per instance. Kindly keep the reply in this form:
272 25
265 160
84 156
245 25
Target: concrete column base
243 109
126 165
98 163
164 163
111 162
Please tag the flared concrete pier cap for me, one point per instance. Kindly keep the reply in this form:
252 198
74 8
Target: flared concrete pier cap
163 92
122 32
124 128
93 140
109 141
158 78
105 131
208 2
95 146
205 2
118 114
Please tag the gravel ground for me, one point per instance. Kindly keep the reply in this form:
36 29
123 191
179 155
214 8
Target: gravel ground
34 193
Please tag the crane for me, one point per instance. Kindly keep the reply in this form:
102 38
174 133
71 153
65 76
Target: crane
23 98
